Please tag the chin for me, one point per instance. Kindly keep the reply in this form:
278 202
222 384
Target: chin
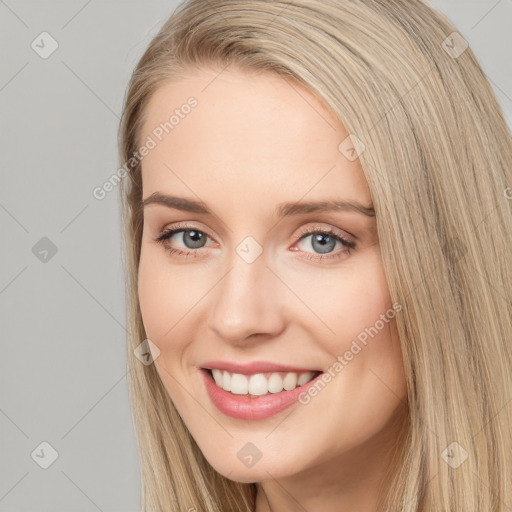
236 470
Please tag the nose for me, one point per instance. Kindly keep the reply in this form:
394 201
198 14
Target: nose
248 301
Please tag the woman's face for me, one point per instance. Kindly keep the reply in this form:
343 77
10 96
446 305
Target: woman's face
267 272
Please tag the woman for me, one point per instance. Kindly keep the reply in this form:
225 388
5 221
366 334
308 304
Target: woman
318 228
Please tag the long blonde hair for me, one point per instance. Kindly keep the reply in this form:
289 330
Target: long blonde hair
438 160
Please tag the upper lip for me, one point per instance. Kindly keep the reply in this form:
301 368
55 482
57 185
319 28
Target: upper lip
254 367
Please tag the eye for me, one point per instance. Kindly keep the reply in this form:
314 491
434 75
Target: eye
324 241
192 238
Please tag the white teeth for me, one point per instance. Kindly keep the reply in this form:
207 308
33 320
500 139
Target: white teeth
304 377
290 381
275 383
260 384
219 379
239 384
226 381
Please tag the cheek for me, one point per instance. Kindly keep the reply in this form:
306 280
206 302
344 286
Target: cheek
356 325
154 301
166 294
165 297
346 300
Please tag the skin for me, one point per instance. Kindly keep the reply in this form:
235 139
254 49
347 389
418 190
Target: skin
252 142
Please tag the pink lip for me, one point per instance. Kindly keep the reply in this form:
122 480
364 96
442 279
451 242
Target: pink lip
246 408
254 367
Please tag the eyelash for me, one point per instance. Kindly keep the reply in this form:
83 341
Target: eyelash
347 244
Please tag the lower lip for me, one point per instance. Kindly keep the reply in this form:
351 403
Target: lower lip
246 408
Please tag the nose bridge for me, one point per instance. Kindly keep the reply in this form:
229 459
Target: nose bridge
247 298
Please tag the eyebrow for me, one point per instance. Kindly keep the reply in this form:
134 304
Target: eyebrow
281 210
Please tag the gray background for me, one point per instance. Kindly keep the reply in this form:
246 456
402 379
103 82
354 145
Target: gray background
63 364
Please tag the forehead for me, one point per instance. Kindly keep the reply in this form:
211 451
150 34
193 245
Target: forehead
248 138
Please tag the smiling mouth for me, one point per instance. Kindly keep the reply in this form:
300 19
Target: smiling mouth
260 384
